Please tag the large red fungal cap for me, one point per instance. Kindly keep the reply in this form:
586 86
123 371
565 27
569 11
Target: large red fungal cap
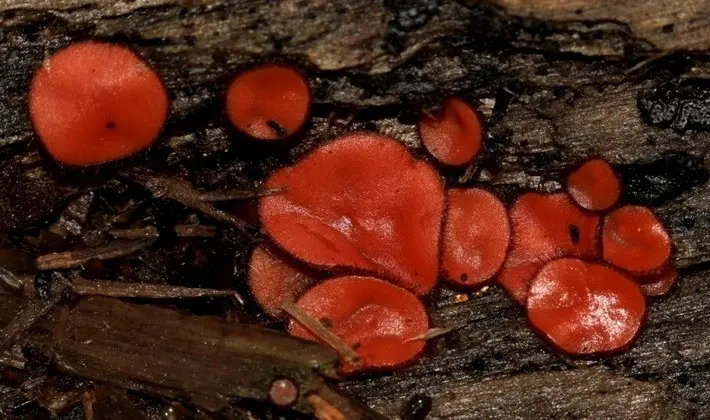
545 226
94 102
378 320
454 135
269 102
594 185
584 308
273 279
476 237
635 240
360 202
659 284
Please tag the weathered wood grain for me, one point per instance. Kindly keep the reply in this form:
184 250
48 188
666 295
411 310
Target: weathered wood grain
554 79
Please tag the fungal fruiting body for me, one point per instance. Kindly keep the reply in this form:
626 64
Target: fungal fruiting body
544 227
659 284
635 240
584 308
360 203
594 185
380 321
274 279
476 237
270 102
453 135
95 102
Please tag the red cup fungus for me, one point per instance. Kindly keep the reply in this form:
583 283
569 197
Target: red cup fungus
94 102
273 279
476 237
545 227
377 319
594 185
584 308
270 102
360 203
635 240
659 284
454 135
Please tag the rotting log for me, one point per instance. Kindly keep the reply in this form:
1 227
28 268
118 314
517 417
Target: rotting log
559 80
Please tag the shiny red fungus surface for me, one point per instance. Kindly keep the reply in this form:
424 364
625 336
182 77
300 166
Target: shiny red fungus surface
94 102
594 185
269 102
659 284
377 319
454 135
635 240
584 308
545 226
360 203
476 237
274 279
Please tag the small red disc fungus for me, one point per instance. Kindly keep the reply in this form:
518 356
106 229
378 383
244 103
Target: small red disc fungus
594 185
454 135
377 319
273 279
635 240
584 308
269 102
476 236
360 202
659 284
94 102
545 227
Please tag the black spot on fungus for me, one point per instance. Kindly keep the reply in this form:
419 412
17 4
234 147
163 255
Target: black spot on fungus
110 125
464 277
574 233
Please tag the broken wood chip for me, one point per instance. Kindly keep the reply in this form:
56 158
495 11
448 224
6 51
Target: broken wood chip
71 220
435 332
69 259
163 186
10 281
182 231
322 332
27 317
119 289
470 172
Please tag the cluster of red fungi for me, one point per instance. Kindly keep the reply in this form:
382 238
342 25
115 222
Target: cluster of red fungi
360 230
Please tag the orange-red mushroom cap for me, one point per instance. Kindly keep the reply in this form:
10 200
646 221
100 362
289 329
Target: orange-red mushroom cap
635 240
95 102
476 237
380 321
360 203
594 185
273 279
584 308
655 285
545 227
270 102
454 135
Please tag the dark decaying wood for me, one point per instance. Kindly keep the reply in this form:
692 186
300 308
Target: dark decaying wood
557 81
206 361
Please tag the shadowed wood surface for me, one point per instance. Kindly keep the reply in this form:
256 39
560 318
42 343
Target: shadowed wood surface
557 80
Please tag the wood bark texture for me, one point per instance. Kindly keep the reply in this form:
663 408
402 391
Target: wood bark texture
557 80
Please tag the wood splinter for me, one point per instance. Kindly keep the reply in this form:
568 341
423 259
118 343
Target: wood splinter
181 191
322 332
70 259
